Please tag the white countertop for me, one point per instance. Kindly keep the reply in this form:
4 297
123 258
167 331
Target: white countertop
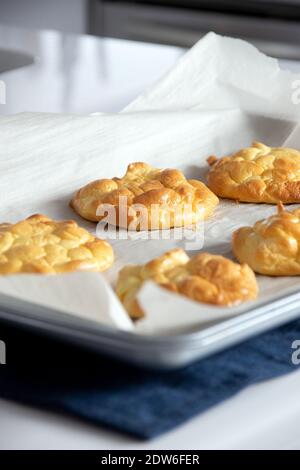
85 74
79 74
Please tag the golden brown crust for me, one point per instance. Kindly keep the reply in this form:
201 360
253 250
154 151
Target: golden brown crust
41 245
205 278
257 174
271 246
144 185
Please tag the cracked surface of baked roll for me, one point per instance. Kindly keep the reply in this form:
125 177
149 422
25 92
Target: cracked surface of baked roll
257 174
205 278
272 245
168 198
39 244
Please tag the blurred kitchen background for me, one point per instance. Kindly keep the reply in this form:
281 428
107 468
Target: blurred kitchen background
65 64
273 25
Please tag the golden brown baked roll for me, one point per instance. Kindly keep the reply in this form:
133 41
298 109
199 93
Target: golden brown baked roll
204 277
168 198
41 245
271 246
257 174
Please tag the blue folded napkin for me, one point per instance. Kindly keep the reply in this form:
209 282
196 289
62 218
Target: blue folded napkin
47 373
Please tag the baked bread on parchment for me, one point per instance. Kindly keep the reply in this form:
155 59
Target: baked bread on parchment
272 245
205 278
167 197
257 174
39 244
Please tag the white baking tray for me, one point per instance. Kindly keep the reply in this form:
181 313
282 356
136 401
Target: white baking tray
220 97
154 345
159 352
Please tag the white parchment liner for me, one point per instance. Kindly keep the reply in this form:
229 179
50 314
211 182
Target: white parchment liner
222 95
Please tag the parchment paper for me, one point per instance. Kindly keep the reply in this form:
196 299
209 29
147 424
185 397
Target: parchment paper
222 95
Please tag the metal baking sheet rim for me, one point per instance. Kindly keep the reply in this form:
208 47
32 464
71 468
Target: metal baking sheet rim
162 352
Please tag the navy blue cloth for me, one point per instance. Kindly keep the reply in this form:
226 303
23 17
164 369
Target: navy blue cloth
142 403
